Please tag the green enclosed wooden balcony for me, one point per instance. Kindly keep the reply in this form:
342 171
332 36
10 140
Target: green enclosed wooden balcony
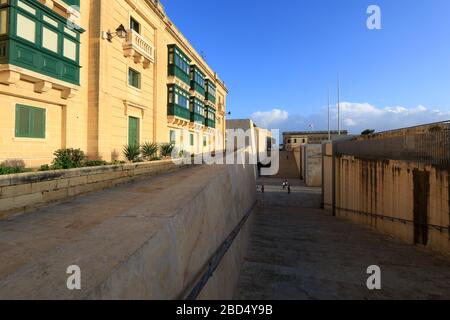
197 80
210 123
177 111
175 71
197 118
210 92
179 64
37 39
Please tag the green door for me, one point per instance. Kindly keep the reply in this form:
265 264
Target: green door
133 131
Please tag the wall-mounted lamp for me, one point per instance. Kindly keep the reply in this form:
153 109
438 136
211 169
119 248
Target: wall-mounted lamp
121 32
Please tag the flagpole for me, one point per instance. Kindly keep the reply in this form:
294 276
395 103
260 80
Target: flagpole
339 105
329 129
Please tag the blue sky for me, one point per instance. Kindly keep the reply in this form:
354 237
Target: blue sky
278 58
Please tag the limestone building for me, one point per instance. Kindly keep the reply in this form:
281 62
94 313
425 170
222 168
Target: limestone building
292 140
100 74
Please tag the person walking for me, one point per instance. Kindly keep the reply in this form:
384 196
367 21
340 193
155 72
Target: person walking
262 188
289 189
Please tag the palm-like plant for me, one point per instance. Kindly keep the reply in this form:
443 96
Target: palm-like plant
132 152
166 149
149 150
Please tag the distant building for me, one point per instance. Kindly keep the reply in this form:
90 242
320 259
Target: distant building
292 140
263 137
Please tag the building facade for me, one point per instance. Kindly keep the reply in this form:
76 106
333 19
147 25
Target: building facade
292 140
100 74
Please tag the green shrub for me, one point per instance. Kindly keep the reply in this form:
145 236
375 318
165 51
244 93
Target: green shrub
166 149
149 150
117 162
68 159
95 163
132 152
13 166
45 167
9 170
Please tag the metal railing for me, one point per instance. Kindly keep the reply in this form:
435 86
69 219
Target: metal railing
430 144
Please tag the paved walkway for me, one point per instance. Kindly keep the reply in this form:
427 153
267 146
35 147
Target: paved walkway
305 253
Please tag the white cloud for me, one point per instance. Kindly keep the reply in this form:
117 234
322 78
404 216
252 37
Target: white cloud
269 119
355 117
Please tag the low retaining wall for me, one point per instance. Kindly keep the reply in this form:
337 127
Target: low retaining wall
157 246
23 192
408 200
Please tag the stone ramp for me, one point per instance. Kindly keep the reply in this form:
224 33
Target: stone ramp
298 253
288 167
301 196
144 240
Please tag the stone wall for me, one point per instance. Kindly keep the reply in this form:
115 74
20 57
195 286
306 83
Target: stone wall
312 154
20 193
157 245
408 200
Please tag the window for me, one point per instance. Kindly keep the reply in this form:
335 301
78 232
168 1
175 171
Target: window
50 21
181 62
198 77
192 139
26 7
70 49
134 25
204 141
3 21
211 89
26 28
199 108
70 32
134 78
30 122
181 99
172 137
50 40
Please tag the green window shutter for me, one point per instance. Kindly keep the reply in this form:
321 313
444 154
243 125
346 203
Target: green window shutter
22 121
134 78
192 139
38 124
30 122
133 131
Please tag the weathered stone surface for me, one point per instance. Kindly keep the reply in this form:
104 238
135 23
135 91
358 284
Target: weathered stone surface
145 240
74 181
305 253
